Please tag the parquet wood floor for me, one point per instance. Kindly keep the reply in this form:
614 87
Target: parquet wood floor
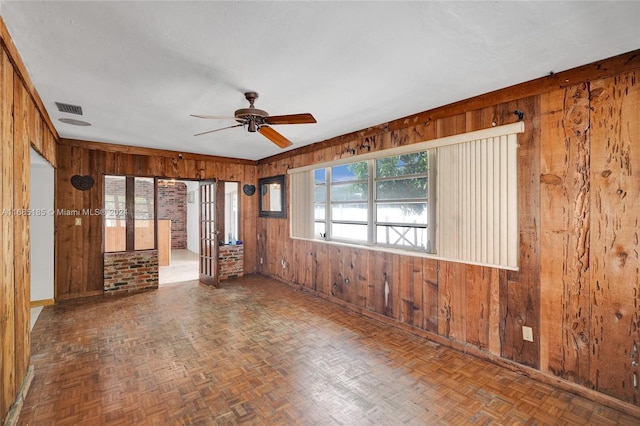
258 352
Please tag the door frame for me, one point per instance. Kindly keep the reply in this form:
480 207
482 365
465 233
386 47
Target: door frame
209 231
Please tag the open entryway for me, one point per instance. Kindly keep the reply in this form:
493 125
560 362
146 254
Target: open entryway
41 226
188 240
178 230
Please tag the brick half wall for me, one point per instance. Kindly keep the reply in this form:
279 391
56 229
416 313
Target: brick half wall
230 261
129 272
172 205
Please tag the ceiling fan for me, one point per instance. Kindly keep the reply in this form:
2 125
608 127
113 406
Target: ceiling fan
258 120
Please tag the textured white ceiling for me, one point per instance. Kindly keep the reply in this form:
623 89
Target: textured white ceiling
138 69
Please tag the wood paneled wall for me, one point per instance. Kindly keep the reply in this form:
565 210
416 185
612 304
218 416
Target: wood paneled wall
22 125
590 182
579 206
79 261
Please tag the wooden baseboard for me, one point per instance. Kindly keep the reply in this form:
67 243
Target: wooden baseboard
43 302
16 408
80 295
535 374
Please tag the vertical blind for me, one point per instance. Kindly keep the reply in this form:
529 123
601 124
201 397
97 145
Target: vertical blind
301 214
477 206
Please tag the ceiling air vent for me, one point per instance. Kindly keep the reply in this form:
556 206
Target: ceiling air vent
71 109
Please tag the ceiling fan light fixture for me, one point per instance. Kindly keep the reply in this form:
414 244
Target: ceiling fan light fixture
252 125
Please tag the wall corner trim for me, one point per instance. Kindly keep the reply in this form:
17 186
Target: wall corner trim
16 408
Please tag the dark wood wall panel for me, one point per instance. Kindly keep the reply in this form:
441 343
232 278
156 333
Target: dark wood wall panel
430 294
79 259
40 136
21 246
565 214
478 296
523 298
452 301
8 305
614 243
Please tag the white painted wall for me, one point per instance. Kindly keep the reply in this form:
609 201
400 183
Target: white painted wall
231 210
42 278
192 217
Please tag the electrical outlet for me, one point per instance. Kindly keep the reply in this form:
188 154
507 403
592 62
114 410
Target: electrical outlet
527 333
261 261
78 221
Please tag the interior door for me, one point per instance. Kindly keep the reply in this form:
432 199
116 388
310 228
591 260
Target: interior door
209 234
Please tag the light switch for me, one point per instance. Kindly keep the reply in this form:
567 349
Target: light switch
527 333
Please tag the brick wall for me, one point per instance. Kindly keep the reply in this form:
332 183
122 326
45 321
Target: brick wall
231 261
128 272
172 205
115 191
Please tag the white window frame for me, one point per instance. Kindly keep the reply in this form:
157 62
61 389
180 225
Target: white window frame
430 175
371 222
330 221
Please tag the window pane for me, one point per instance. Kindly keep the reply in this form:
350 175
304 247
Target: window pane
320 194
319 176
343 231
404 236
349 172
115 230
405 213
398 189
349 192
350 212
402 165
143 214
319 229
231 211
319 212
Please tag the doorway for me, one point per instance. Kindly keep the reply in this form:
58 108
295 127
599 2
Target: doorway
41 227
180 240
178 223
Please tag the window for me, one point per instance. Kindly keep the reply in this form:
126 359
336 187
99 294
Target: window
143 213
390 193
348 202
320 202
401 215
453 198
231 212
129 219
115 207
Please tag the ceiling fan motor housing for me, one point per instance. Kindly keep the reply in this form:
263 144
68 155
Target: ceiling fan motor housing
253 117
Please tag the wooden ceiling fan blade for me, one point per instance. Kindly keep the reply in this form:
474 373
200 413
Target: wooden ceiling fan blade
217 130
213 117
274 136
304 118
